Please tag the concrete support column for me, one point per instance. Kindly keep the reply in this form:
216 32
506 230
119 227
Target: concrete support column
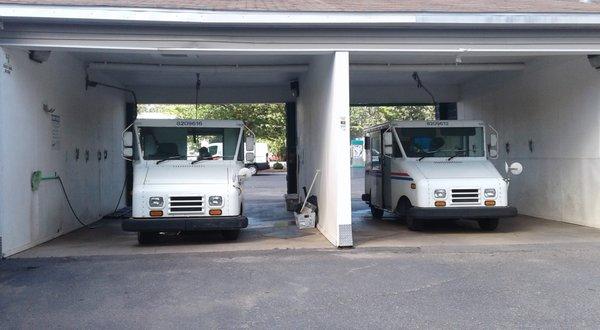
323 142
291 140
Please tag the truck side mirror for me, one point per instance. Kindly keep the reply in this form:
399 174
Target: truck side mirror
250 157
514 168
493 146
388 143
128 152
244 174
127 139
250 143
127 145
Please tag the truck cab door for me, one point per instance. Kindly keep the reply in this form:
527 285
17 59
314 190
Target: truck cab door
386 169
373 175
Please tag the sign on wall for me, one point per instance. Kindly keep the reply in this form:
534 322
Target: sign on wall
55 122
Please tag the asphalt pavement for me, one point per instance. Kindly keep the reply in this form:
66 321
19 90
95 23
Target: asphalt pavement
535 286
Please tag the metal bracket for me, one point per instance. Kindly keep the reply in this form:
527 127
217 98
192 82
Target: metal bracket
37 178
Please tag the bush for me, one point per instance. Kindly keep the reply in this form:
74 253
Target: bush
278 166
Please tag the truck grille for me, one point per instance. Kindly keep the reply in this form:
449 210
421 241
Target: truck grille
183 205
465 196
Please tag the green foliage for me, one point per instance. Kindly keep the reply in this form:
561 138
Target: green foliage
362 117
267 121
278 166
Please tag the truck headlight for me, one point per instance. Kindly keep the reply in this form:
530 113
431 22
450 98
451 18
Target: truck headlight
439 193
215 201
489 193
156 202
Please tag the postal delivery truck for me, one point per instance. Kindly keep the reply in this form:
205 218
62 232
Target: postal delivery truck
178 185
432 170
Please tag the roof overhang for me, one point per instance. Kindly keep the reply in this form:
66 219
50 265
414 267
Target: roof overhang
113 15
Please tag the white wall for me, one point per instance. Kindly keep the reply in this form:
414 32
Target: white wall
89 120
555 103
323 137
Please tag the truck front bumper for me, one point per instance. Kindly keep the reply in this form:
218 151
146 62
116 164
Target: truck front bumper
185 224
462 212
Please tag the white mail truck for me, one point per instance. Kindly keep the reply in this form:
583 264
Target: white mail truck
427 170
178 185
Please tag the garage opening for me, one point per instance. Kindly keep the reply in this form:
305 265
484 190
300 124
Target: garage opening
532 105
94 95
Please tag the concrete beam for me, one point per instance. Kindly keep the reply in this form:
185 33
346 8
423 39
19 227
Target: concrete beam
301 40
231 94
323 135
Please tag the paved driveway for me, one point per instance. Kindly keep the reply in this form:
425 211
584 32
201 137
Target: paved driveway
525 286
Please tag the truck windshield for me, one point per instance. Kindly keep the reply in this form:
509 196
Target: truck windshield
160 143
442 142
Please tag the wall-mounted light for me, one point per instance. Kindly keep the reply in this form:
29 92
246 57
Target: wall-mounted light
295 88
39 56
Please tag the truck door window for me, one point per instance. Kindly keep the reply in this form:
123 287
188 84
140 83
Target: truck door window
442 142
397 153
376 151
188 143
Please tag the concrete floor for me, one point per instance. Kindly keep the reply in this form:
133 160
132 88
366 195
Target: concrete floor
271 227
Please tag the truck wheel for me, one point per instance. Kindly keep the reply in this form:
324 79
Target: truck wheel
253 169
147 237
414 224
230 235
377 213
488 224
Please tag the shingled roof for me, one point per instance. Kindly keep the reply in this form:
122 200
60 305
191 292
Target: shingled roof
455 6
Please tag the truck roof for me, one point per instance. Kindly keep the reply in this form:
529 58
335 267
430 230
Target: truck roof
428 123
189 123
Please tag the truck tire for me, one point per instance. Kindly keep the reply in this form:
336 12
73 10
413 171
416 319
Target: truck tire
488 224
147 237
253 169
414 224
402 209
230 235
377 213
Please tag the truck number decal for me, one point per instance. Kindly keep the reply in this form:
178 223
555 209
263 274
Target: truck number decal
193 123
438 123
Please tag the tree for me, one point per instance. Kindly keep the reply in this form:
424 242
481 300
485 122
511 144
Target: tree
267 121
362 117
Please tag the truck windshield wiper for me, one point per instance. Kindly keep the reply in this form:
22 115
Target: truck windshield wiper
198 161
456 154
427 154
168 158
